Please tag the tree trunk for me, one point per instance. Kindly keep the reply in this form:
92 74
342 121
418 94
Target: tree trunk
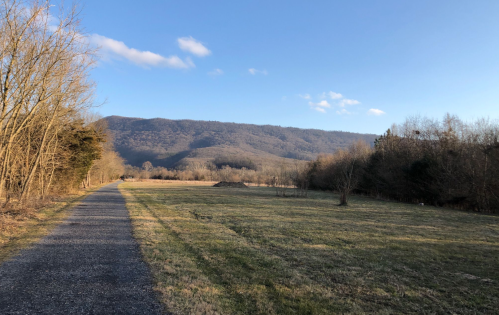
343 198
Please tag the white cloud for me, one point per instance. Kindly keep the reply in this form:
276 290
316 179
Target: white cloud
216 72
375 112
323 104
114 48
335 96
254 71
193 46
320 104
343 112
345 101
338 99
332 95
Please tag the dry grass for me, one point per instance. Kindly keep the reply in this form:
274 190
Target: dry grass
245 251
22 227
168 181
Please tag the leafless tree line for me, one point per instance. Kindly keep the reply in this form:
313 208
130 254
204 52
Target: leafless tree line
199 172
445 162
283 177
47 143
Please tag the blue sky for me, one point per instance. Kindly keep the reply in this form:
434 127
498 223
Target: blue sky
355 65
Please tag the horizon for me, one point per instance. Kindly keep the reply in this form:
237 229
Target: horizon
356 67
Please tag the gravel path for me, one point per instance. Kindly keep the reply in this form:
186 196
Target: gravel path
90 264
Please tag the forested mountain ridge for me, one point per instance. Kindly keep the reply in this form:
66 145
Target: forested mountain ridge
173 143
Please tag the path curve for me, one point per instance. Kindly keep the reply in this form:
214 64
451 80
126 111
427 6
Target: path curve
90 264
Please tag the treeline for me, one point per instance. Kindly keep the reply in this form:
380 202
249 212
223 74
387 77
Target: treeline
234 162
48 143
198 171
282 176
447 163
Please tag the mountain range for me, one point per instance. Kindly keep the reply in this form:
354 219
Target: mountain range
178 143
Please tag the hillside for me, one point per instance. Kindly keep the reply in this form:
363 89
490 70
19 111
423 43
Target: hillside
176 143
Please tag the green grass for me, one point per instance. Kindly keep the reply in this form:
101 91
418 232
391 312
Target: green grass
245 251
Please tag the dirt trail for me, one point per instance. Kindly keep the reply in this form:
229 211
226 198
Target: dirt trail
90 264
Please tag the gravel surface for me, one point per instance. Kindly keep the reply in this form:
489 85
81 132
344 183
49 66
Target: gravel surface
90 264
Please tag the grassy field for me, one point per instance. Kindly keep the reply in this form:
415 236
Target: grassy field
245 251
23 227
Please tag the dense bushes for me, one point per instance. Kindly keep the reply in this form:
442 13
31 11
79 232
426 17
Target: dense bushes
445 163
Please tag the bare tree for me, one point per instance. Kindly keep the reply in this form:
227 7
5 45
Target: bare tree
300 178
347 168
147 166
44 83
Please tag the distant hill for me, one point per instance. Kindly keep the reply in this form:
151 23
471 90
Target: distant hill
176 143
